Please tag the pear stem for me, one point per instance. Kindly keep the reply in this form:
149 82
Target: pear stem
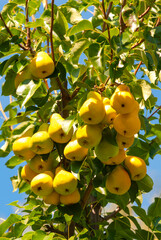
144 13
138 67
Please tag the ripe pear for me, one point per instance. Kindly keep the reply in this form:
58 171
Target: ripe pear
53 198
42 184
110 115
127 124
92 111
50 173
64 182
39 165
136 167
73 151
27 173
123 102
106 101
41 141
118 181
58 169
22 76
22 148
56 131
72 198
122 87
41 65
105 150
119 158
124 142
89 136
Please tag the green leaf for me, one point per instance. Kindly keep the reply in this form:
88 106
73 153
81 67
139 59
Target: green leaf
146 184
13 162
154 210
78 49
12 219
60 24
27 90
67 124
9 85
68 218
72 15
81 26
96 56
142 214
49 237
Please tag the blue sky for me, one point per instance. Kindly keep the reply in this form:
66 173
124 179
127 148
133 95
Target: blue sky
7 195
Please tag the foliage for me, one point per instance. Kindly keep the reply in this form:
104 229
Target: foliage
119 43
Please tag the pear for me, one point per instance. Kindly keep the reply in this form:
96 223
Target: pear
22 148
92 111
41 65
53 198
73 151
136 167
105 150
119 158
56 131
42 184
123 102
118 181
58 169
124 142
41 141
122 87
106 101
110 115
39 165
64 182
72 198
27 173
89 136
127 124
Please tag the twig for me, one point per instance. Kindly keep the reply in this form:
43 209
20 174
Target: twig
158 22
28 29
3 113
111 215
51 31
107 80
76 90
106 14
87 194
10 33
154 112
45 3
144 13
50 228
122 24
138 67
137 44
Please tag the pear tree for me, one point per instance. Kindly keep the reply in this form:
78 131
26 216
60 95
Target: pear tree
82 119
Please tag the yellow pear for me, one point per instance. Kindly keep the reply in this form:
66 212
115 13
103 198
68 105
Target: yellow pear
41 141
52 198
22 148
41 65
42 184
123 102
122 87
127 124
58 169
124 142
106 101
92 111
119 158
22 76
39 165
105 150
118 181
72 198
50 173
89 136
74 151
27 173
110 115
136 167
56 131
64 182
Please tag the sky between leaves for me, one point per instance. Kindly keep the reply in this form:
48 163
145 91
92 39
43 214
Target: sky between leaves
7 195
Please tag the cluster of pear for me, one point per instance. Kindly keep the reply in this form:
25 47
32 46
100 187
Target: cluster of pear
47 180
121 113
40 67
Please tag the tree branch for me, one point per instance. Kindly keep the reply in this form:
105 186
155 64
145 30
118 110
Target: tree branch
138 67
51 31
76 90
28 43
144 13
154 112
10 33
122 24
87 194
111 215
137 44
